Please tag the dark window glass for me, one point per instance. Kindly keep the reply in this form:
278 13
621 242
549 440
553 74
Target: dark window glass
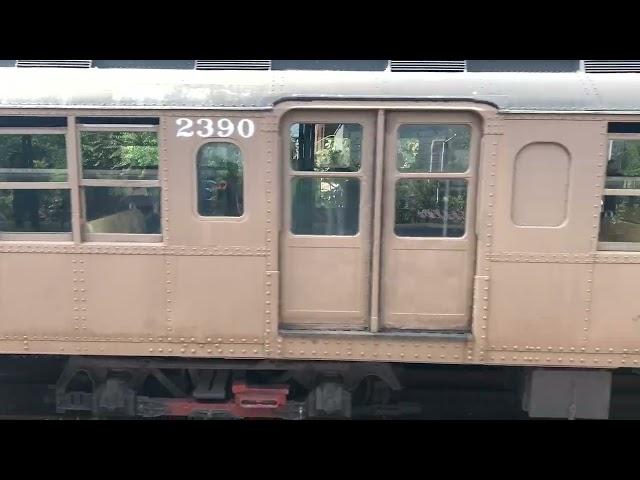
326 147
624 127
21 121
220 179
325 206
620 219
119 155
118 121
35 211
33 158
433 148
430 208
122 209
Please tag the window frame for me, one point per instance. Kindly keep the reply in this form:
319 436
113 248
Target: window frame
124 183
195 183
468 175
68 185
325 118
617 192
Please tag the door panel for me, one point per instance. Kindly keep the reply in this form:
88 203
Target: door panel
432 296
428 238
425 203
326 232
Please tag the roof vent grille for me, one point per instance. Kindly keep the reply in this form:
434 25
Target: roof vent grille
612 66
428 65
54 63
233 64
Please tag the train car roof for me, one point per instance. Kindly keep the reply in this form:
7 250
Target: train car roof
192 89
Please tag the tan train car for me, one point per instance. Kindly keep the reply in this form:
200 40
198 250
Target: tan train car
328 222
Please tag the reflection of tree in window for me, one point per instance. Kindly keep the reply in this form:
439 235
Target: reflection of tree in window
620 220
121 156
324 205
431 208
25 202
125 155
433 148
25 158
220 179
53 213
334 147
34 152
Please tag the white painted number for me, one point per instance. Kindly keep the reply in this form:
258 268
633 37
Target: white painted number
207 123
225 128
186 125
246 128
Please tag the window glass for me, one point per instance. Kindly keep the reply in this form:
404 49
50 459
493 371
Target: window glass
433 148
122 209
325 147
33 158
623 168
325 206
35 210
119 155
620 219
220 180
620 214
430 208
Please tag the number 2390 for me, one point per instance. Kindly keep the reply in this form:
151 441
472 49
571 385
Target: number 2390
223 128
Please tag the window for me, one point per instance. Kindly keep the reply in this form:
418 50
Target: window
120 186
325 206
620 213
317 147
426 204
325 187
433 148
122 209
34 189
115 165
220 180
430 208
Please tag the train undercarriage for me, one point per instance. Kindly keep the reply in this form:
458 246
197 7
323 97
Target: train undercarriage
117 387
155 388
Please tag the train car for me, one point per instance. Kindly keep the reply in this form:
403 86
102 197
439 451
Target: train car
263 243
